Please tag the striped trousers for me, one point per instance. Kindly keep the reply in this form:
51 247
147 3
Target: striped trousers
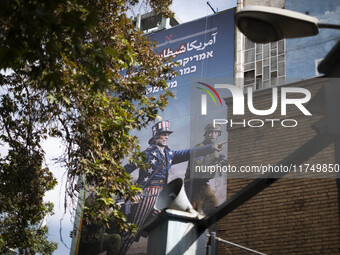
146 202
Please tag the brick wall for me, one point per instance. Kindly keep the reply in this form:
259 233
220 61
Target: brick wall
292 216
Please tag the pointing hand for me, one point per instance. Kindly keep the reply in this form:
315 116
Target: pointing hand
219 146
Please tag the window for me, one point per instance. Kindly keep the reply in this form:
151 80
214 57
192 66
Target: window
249 78
249 56
264 64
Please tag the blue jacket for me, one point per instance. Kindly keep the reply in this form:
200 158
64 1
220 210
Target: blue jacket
159 165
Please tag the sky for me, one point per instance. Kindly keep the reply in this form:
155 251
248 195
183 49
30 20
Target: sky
185 11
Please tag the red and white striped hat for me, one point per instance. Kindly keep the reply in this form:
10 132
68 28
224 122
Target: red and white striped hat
159 128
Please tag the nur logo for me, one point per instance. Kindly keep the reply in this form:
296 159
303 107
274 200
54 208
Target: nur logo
239 99
204 97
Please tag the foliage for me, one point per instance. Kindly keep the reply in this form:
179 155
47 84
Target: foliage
77 70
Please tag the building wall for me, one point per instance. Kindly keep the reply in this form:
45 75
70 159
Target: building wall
259 65
292 216
302 55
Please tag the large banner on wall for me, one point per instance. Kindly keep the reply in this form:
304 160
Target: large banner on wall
203 49
181 136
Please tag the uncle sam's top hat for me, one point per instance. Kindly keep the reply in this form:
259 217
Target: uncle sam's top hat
159 128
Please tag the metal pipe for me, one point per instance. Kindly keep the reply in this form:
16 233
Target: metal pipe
211 7
239 246
325 25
